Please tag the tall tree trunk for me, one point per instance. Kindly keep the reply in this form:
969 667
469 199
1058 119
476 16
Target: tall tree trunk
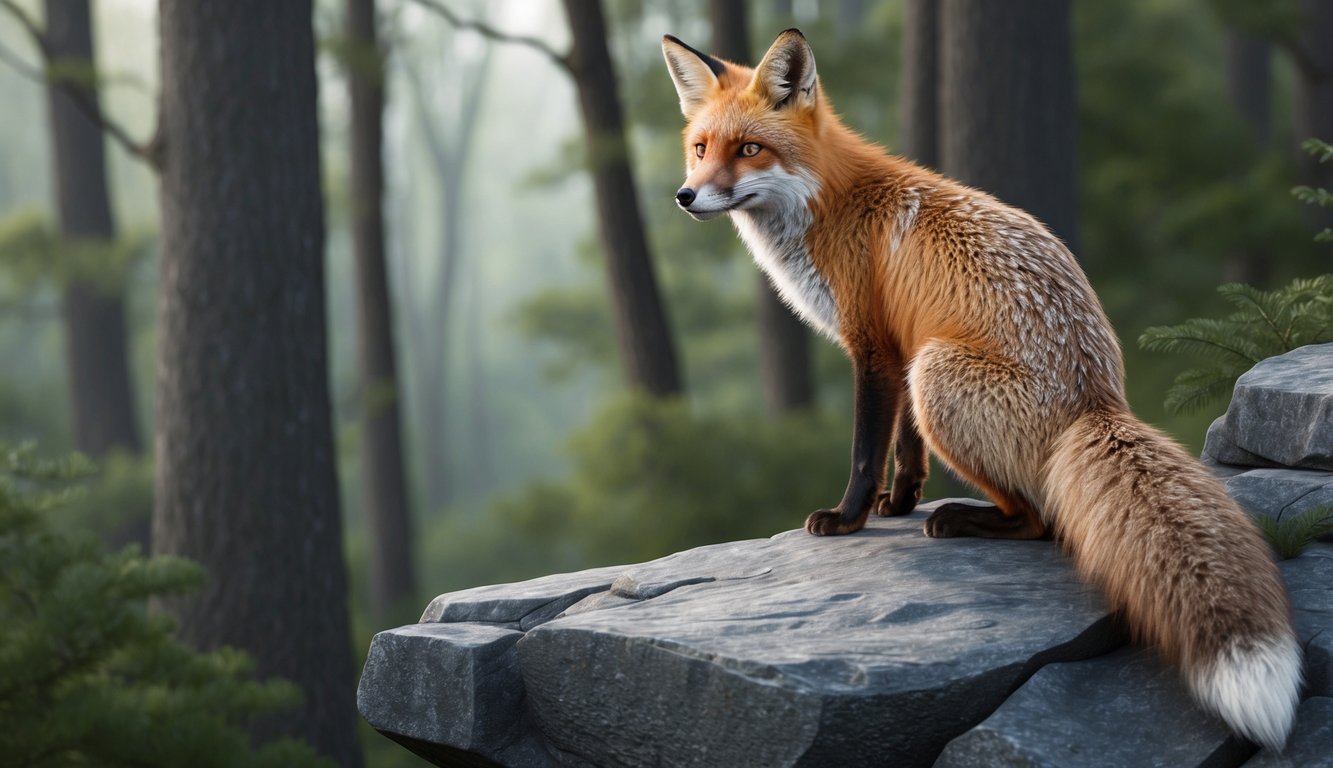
1313 104
647 351
246 481
1249 86
918 107
392 580
481 469
1007 119
105 415
450 148
784 343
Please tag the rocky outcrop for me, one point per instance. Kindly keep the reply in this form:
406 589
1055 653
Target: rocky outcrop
882 648
1281 414
794 650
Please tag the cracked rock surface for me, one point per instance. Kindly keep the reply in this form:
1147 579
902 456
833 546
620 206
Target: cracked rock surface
795 650
1281 414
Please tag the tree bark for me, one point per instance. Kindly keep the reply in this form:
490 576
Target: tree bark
918 107
784 342
246 480
1249 86
392 580
1007 118
1313 105
647 350
1249 82
100 391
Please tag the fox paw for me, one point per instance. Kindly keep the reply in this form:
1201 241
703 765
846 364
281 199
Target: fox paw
897 502
830 522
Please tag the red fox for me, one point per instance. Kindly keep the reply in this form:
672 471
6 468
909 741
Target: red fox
973 333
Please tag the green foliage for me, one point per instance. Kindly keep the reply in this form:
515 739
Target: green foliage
1323 152
651 477
88 676
32 252
1288 536
1265 323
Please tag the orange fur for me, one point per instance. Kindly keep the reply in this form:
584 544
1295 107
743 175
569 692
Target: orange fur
969 321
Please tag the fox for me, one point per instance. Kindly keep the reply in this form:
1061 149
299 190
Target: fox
974 335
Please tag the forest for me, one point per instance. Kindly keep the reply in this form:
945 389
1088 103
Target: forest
313 310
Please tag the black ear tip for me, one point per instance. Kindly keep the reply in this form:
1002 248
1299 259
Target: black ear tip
793 31
671 39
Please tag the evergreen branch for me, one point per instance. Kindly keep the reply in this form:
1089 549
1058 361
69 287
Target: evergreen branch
1248 296
1320 150
1173 338
148 152
1196 387
562 60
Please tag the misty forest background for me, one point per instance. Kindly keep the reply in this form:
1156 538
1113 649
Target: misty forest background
527 360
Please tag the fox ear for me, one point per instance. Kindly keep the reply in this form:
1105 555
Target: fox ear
786 76
695 74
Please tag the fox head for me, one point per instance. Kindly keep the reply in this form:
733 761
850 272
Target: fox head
750 133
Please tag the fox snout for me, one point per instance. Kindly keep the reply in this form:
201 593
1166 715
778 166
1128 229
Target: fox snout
702 207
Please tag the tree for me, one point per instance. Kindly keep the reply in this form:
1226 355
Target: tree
1313 105
647 350
87 675
918 106
784 343
1249 86
245 478
392 579
1007 121
449 143
101 393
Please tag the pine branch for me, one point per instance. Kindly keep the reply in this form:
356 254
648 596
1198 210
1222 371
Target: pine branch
82 98
562 60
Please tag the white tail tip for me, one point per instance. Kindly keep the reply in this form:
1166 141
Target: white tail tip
1255 690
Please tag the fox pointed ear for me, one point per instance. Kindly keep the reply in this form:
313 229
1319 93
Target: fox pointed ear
786 76
695 74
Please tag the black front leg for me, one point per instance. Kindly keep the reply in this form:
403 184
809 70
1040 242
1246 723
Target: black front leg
875 396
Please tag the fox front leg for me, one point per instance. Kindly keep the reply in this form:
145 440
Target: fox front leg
875 397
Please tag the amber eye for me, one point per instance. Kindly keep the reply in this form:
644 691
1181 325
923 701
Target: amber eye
699 150
750 149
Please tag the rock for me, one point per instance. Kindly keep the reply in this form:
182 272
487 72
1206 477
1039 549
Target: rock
441 686
1123 709
1281 414
795 650
1309 581
1311 746
881 647
1281 493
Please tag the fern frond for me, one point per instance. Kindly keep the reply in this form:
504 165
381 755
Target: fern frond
1288 536
1196 387
1205 337
1269 309
1319 150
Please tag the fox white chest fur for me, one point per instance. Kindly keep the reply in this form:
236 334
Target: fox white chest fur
775 234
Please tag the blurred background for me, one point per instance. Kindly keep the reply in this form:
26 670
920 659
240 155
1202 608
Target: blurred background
536 390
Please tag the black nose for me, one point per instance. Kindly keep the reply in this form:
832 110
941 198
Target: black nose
685 196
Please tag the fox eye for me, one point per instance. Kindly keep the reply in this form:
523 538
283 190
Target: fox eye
750 149
699 150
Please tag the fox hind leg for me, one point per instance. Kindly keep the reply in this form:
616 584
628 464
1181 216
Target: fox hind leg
975 411
911 464
991 521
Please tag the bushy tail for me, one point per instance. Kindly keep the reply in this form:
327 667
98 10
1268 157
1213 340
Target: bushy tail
1147 523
